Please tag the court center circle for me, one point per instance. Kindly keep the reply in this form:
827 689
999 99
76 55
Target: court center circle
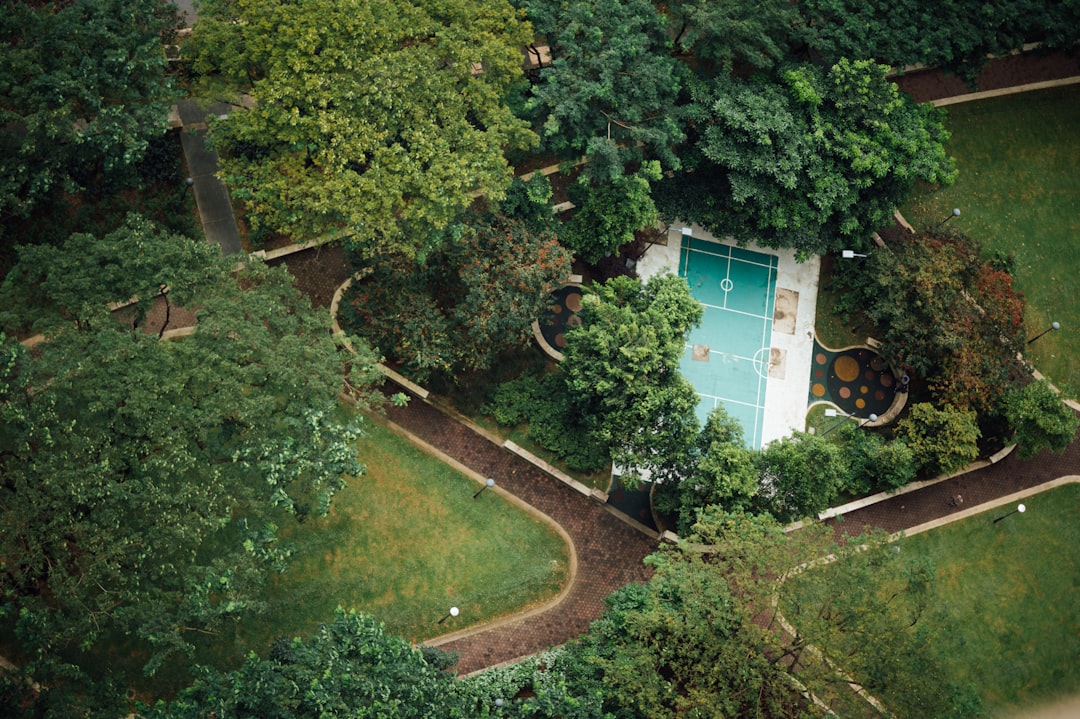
726 285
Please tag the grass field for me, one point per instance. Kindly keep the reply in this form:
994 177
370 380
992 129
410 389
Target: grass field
1019 192
1009 595
1005 595
404 543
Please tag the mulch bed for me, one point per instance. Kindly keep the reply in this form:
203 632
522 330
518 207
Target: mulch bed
1008 71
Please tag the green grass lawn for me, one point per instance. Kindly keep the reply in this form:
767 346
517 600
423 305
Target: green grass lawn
1019 192
404 543
1006 599
1009 591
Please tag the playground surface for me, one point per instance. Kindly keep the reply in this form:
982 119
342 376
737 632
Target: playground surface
727 355
753 350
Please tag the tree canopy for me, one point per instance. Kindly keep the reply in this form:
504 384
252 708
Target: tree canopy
621 369
611 82
958 36
473 299
349 667
1039 419
944 313
82 91
144 481
814 159
375 121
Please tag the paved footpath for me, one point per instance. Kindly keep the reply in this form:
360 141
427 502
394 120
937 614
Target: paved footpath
211 194
609 551
980 487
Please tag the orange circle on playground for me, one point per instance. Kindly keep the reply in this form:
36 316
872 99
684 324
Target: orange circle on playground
860 403
818 389
573 302
845 392
846 368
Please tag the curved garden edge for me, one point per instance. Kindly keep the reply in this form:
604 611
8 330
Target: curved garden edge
572 562
918 529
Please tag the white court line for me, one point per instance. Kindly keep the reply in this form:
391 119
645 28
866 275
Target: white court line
764 318
725 400
733 259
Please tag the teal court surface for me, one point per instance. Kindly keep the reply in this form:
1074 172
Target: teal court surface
727 358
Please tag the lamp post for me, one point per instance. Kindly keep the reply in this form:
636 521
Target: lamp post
1019 508
1053 326
489 483
851 254
454 611
955 213
834 413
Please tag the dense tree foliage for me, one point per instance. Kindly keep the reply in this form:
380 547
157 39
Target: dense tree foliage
611 84
82 92
473 299
721 35
144 481
376 121
957 36
621 369
876 464
815 159
720 470
350 667
1039 419
800 476
942 440
75 281
944 313
610 213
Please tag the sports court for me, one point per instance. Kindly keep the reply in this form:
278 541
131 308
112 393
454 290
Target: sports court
727 358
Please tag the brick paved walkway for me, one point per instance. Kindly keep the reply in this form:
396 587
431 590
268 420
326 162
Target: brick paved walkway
998 480
609 551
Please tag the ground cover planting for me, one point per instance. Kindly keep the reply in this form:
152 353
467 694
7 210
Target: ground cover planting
1018 191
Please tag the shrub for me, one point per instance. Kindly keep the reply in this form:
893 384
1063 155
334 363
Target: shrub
941 440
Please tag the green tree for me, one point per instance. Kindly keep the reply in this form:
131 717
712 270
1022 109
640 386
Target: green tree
76 281
349 667
800 476
944 313
875 463
943 440
621 369
609 214
723 34
375 121
82 91
473 299
872 612
1039 419
144 482
720 470
611 84
958 36
816 159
